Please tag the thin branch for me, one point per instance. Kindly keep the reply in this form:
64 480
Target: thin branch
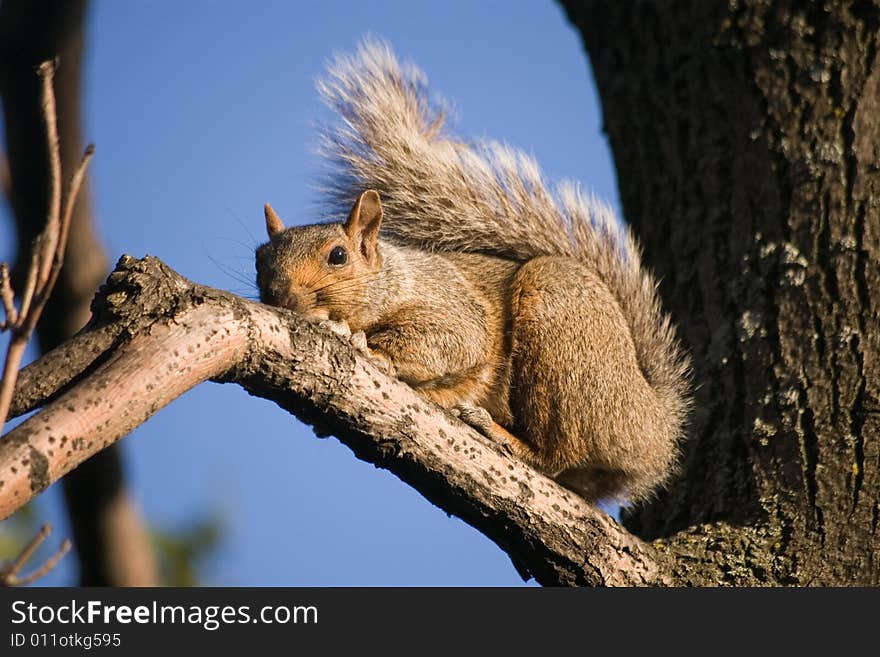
76 181
28 551
41 380
57 259
9 574
30 285
7 297
47 256
11 365
46 71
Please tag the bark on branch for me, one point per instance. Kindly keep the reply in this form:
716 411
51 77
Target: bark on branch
155 335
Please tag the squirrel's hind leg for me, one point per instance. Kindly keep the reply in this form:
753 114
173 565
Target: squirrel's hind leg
577 394
590 483
481 420
596 484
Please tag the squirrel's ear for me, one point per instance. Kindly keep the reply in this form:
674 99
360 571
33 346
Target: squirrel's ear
364 221
274 225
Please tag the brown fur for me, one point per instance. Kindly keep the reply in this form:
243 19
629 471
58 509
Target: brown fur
402 299
488 292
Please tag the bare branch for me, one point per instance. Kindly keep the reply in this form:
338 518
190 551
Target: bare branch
30 285
28 550
14 354
9 574
42 379
52 232
76 181
47 256
56 259
7 297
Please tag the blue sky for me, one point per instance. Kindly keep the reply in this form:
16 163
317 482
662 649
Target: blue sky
203 111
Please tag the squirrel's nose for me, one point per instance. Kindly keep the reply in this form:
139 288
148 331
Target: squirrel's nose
291 298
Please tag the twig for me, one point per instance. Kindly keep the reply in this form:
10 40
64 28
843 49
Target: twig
10 371
9 574
30 285
57 259
46 71
7 297
73 188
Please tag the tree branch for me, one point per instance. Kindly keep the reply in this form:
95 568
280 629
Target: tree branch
47 255
174 334
9 574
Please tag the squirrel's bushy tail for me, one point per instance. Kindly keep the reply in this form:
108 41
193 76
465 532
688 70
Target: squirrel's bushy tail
447 194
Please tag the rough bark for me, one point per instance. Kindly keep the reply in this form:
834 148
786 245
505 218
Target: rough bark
746 136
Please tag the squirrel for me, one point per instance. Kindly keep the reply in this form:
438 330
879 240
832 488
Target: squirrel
524 312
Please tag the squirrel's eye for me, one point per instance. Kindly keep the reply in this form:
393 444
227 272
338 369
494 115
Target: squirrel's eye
337 256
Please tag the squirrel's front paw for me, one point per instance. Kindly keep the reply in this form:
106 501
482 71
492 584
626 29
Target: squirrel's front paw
339 328
481 420
359 342
474 416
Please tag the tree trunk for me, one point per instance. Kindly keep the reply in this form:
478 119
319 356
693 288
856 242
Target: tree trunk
747 140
